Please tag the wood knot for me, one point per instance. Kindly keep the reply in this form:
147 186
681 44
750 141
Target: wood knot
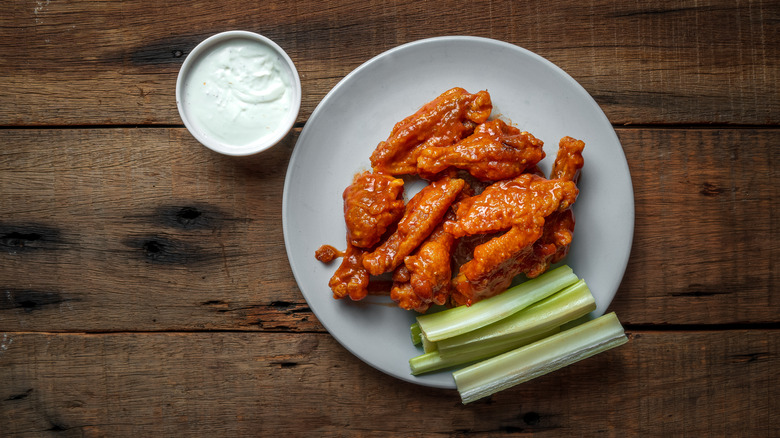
531 418
19 239
187 215
14 239
166 250
152 248
709 189
32 300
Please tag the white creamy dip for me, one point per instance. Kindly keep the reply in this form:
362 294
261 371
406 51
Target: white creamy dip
239 92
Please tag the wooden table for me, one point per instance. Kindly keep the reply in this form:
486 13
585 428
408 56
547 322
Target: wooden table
144 284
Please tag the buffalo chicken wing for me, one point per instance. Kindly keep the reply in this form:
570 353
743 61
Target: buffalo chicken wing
517 207
495 151
425 277
423 213
507 203
442 122
372 203
351 278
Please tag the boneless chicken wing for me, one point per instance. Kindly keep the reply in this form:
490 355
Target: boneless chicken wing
371 203
553 245
443 121
558 232
424 277
506 203
422 214
495 151
351 278
519 207
478 280
568 161
494 265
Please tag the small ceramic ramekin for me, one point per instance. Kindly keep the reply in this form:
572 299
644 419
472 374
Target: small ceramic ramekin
185 99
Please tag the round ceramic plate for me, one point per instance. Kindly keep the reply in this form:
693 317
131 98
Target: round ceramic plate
360 111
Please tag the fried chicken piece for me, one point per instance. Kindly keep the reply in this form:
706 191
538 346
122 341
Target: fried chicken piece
568 161
351 278
443 121
495 151
494 265
554 243
558 233
507 203
402 292
371 203
518 206
532 260
327 254
465 246
423 213
424 277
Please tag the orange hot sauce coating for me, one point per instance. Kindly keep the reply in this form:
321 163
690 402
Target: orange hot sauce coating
495 151
518 206
443 121
506 203
558 232
423 213
350 278
424 277
327 254
372 203
494 265
568 161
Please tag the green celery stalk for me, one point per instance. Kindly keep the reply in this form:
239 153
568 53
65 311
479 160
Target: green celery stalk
429 346
416 334
552 353
419 339
462 319
564 306
433 361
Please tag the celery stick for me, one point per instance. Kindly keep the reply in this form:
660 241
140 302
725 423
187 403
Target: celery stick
552 353
564 306
427 362
416 334
428 346
433 361
459 320
418 338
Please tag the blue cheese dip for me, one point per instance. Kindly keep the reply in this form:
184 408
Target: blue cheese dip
239 92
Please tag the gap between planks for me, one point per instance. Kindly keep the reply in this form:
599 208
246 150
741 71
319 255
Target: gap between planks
629 328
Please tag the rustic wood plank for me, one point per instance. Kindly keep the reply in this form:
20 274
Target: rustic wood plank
714 383
705 227
88 63
144 229
137 227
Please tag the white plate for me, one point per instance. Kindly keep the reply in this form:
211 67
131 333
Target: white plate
361 110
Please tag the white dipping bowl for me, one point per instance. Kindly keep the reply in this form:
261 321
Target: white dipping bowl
201 111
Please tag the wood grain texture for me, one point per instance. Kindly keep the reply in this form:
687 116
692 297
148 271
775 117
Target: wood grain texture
705 227
239 384
144 284
671 62
144 229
